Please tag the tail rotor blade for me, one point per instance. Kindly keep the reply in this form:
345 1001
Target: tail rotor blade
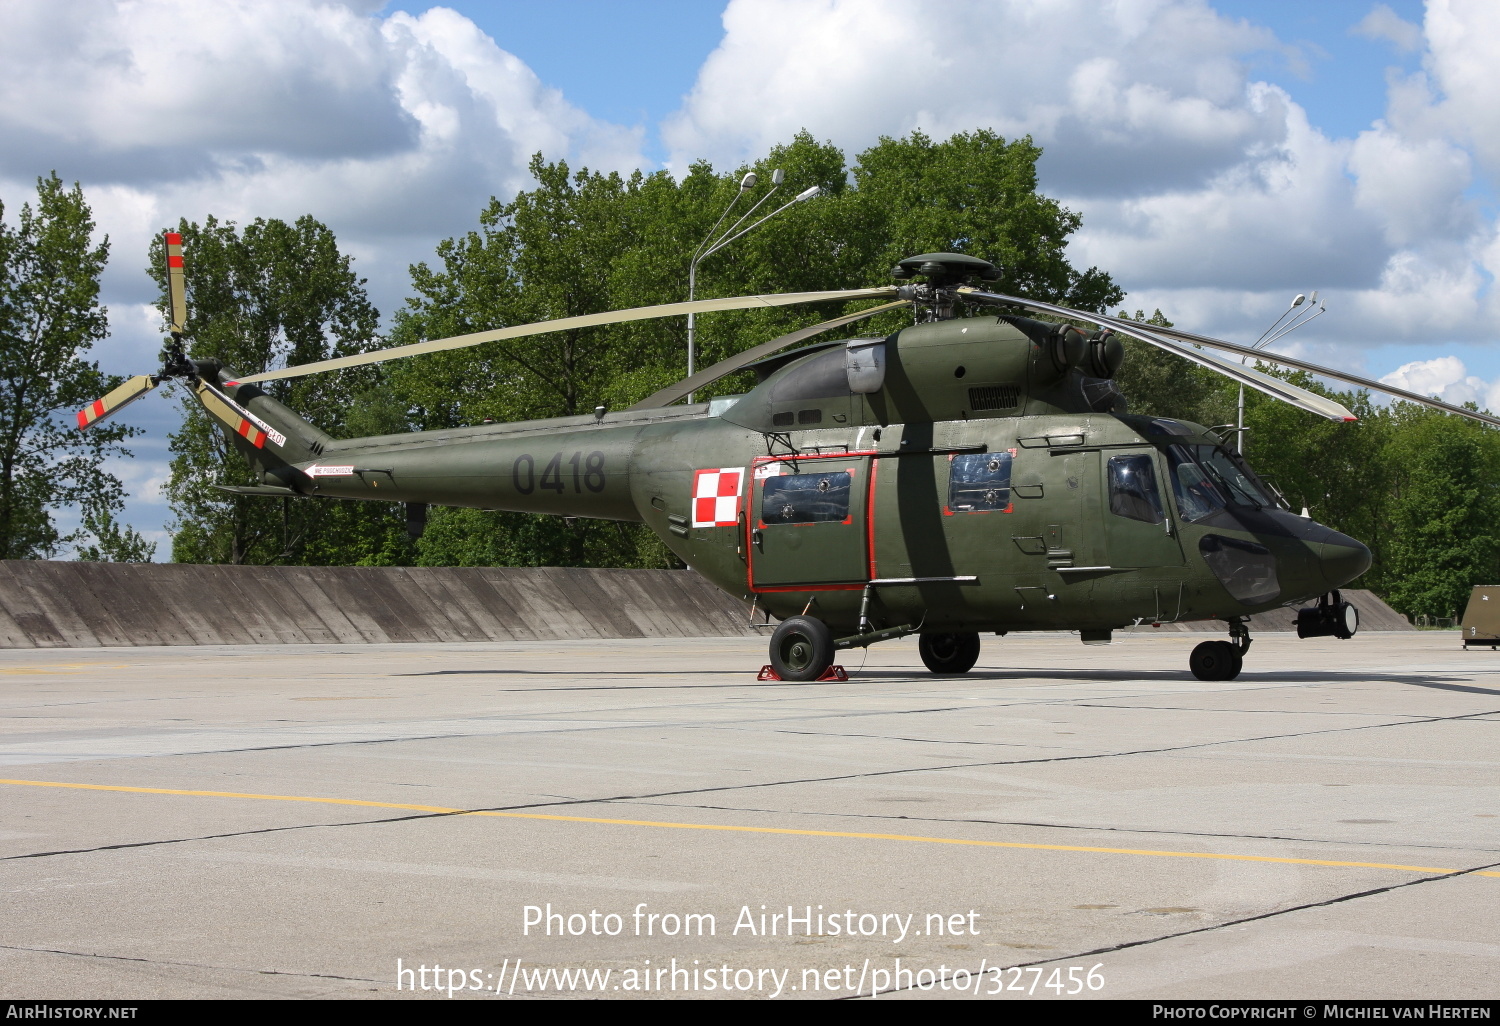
176 288
116 400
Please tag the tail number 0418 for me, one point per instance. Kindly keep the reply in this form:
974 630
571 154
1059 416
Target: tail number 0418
558 473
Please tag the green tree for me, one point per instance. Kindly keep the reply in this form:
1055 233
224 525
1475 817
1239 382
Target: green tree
1445 506
275 293
1157 383
50 318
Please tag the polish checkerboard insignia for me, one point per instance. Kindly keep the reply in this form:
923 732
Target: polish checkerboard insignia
716 496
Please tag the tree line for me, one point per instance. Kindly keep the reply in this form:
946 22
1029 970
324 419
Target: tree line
1414 484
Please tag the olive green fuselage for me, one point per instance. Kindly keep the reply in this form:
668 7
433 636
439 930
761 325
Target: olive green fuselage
887 492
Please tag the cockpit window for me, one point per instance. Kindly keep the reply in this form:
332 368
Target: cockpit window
1206 478
1193 488
1242 490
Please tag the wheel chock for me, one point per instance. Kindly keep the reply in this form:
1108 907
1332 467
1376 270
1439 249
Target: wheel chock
834 672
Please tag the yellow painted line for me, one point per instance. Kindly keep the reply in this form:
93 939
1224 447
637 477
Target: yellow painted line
738 829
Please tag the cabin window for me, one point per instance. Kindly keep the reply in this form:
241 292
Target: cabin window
805 498
979 482
1132 489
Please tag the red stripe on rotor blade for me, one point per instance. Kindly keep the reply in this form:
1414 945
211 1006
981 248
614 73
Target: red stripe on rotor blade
174 238
98 408
255 436
83 419
174 261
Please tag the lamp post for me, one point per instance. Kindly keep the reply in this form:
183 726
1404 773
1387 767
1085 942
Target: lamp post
711 245
1275 331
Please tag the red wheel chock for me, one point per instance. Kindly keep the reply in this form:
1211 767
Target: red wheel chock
834 672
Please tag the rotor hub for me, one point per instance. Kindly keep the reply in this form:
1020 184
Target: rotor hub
936 299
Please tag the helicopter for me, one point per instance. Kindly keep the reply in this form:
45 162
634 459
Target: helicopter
962 475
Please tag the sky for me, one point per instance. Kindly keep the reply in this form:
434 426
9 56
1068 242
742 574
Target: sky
1225 155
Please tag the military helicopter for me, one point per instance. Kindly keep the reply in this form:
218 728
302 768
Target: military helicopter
964 474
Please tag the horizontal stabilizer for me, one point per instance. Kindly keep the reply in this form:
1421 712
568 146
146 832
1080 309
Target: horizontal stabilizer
256 490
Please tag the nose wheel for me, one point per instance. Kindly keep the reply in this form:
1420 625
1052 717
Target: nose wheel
1221 660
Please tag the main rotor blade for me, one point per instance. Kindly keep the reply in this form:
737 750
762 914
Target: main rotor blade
1313 368
640 313
1272 386
116 400
739 361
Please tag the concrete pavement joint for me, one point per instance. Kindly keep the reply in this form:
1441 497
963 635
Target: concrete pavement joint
1125 945
733 828
1065 826
184 965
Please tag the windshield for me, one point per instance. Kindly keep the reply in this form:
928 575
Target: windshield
1206 478
1226 471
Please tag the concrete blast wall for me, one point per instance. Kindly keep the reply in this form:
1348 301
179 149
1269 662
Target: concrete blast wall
88 605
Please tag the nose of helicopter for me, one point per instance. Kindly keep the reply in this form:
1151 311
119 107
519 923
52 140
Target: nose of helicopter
1342 559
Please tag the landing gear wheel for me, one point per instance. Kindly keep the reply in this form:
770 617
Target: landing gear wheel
949 653
1215 660
801 648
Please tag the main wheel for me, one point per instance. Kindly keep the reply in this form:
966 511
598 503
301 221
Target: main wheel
949 653
801 648
1215 660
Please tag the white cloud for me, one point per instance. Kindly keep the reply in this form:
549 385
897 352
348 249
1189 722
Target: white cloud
1463 60
1384 23
1121 93
1448 379
394 131
1202 190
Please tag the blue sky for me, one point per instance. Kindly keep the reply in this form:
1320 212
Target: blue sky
1224 154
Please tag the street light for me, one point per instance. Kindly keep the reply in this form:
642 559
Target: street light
1277 330
711 245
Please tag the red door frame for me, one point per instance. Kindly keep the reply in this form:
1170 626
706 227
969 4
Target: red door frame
749 519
